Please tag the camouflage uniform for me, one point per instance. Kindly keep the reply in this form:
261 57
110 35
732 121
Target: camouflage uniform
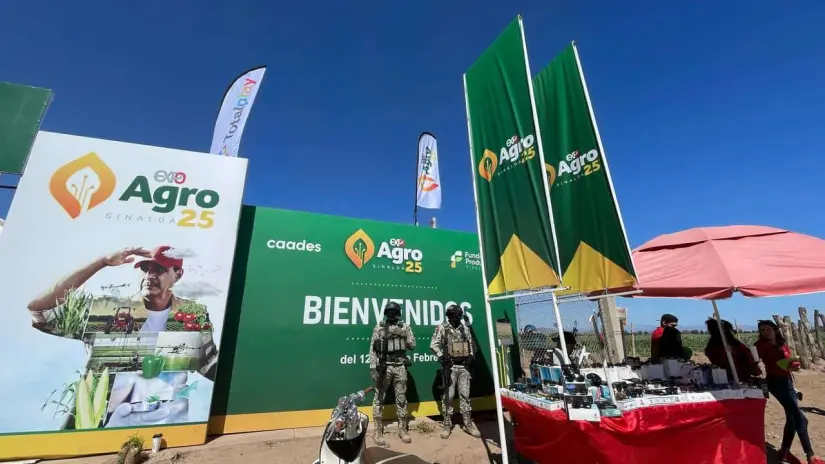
456 345
395 375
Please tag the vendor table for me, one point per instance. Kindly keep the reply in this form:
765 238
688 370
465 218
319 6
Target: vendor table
714 432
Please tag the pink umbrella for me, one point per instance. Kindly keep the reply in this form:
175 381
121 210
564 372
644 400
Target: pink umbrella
713 262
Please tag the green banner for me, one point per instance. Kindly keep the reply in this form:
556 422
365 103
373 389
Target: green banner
514 221
307 291
593 248
21 111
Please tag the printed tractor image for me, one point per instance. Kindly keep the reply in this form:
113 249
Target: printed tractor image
122 321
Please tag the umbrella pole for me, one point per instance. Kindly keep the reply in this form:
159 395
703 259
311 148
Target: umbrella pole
725 342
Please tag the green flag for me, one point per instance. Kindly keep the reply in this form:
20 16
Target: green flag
518 245
592 242
21 111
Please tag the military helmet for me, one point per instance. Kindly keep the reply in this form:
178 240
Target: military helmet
454 310
392 307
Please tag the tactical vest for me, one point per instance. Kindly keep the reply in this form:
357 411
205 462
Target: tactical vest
393 346
458 344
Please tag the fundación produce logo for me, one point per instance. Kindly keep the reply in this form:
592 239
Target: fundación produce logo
573 167
392 253
87 182
515 152
468 260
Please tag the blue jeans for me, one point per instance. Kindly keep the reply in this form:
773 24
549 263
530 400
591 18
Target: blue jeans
795 422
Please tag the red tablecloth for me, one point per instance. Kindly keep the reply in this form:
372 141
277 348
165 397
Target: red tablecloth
719 432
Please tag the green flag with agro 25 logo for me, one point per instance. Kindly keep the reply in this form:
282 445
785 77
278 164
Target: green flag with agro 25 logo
592 243
518 247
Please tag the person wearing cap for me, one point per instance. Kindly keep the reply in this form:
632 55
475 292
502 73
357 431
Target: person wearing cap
153 307
667 320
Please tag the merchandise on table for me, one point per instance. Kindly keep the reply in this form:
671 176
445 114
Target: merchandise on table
586 394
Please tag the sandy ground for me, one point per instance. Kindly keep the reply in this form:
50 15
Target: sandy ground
301 446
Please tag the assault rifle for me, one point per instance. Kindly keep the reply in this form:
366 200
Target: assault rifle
446 364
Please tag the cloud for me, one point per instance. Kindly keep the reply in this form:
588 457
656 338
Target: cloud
195 290
180 253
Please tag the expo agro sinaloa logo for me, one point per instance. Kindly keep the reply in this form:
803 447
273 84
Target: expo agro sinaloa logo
87 183
518 151
392 253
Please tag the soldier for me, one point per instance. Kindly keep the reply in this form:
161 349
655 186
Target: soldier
452 342
388 366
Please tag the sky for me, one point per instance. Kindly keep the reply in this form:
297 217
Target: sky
710 113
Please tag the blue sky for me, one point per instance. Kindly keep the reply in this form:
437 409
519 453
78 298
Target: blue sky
710 115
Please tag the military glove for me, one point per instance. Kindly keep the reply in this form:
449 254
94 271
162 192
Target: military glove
442 359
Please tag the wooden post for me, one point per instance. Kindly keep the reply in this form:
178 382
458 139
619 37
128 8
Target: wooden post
785 330
632 340
817 332
801 349
805 333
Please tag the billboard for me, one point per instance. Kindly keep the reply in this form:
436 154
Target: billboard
119 259
21 112
310 288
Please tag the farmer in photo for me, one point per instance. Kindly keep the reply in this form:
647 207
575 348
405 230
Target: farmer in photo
153 308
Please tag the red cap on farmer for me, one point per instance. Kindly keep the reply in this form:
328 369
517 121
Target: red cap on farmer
159 256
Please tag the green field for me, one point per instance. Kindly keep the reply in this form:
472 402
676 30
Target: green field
695 342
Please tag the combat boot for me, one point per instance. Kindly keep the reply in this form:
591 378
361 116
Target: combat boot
378 434
403 432
470 426
446 428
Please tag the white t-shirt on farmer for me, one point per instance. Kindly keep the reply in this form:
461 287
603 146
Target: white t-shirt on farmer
156 321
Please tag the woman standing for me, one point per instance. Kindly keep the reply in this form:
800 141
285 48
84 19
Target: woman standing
746 367
772 349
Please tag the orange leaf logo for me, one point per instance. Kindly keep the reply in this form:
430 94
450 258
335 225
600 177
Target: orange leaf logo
551 175
427 183
488 164
79 195
359 248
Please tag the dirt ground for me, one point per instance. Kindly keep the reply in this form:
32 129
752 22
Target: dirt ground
301 446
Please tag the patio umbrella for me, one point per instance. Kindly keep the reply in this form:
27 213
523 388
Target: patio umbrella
713 262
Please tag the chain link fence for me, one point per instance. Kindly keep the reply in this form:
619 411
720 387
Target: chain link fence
538 330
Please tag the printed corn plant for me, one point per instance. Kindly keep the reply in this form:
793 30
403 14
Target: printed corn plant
90 400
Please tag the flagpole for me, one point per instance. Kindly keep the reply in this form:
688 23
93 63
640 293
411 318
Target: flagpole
601 151
546 184
487 308
417 173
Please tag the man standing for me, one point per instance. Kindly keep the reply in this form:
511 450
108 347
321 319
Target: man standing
667 320
453 344
390 341
155 302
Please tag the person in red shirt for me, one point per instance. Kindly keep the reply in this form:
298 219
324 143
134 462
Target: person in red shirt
668 320
772 349
746 366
